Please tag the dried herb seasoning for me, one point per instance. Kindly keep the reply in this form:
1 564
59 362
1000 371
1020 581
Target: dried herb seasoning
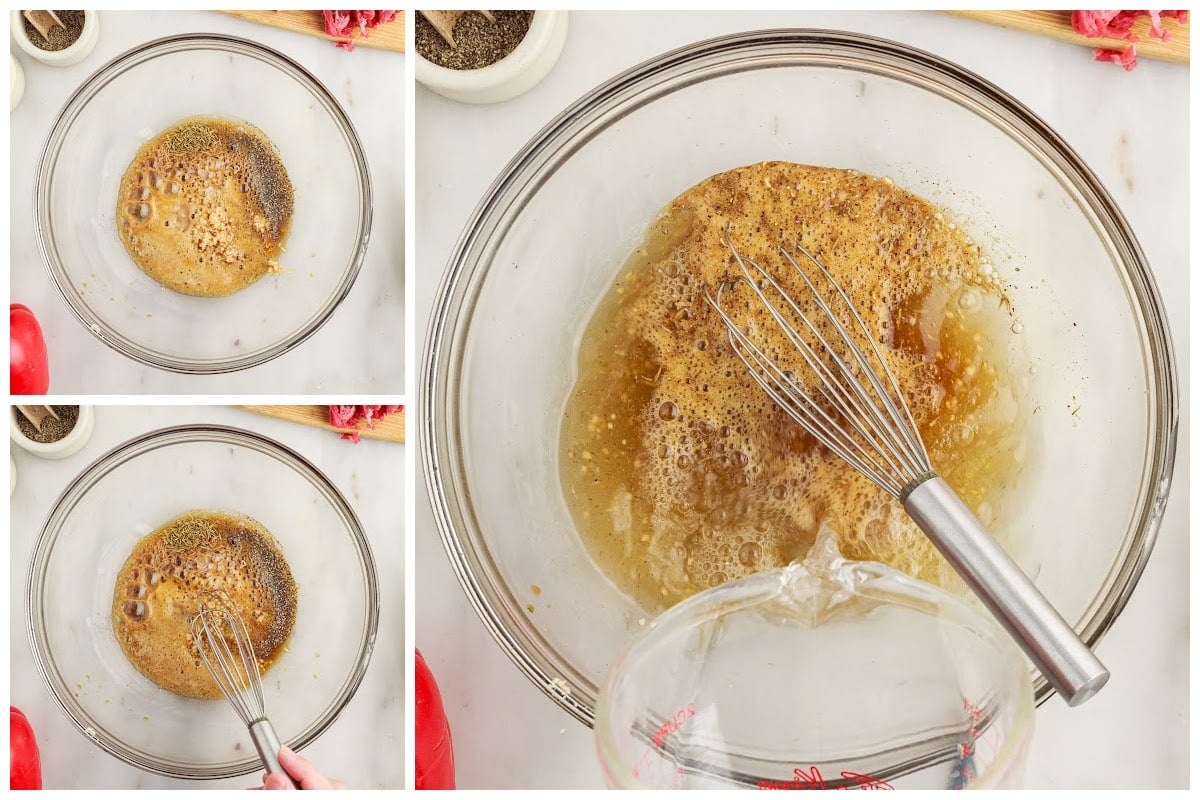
190 532
479 43
52 429
191 138
60 37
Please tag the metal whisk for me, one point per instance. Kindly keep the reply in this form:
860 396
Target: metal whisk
224 643
852 405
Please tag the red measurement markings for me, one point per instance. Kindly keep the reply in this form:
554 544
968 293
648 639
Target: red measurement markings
813 779
965 769
672 725
648 767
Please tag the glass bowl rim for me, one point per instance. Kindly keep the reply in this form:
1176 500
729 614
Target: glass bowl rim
443 460
98 469
75 105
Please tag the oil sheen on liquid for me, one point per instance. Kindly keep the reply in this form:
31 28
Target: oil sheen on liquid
205 207
169 571
681 473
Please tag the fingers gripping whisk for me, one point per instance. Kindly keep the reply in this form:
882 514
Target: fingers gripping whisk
832 379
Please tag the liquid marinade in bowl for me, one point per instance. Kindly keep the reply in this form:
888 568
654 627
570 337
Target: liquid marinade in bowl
164 582
681 473
1089 365
205 207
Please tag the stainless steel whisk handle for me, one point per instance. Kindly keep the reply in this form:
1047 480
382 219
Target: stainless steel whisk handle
266 741
1053 646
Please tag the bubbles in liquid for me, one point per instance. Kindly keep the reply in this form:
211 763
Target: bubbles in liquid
234 250
749 554
740 470
136 611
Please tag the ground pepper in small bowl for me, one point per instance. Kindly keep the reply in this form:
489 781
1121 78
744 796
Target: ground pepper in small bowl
478 42
60 37
52 429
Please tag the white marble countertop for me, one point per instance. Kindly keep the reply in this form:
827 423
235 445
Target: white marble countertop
360 348
507 734
365 746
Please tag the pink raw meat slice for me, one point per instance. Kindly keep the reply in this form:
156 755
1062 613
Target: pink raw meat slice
349 417
348 24
1119 25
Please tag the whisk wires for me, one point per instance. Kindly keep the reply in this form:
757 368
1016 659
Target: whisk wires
853 406
224 643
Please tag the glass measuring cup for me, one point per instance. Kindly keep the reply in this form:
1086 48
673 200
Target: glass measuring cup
824 674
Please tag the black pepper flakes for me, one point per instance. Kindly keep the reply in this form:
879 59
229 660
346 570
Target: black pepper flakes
52 429
60 37
480 43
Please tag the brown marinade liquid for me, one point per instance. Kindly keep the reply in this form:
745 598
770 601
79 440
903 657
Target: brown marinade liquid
162 582
681 473
205 207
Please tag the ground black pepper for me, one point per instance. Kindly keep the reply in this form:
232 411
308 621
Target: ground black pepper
479 43
60 38
52 429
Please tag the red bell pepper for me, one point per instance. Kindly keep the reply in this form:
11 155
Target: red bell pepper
29 372
435 752
25 763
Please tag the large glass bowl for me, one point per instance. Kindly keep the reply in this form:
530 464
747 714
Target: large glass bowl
133 98
548 239
135 488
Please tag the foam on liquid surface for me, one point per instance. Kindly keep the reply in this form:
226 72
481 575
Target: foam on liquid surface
681 473
162 582
205 207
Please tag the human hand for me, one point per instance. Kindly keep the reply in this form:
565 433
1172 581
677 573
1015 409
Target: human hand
302 773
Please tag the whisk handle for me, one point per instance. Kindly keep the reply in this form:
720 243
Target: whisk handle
266 741
1053 646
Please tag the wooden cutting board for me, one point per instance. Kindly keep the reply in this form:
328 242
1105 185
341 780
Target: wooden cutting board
1057 25
388 36
390 428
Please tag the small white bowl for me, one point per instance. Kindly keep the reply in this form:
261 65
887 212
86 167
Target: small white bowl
512 75
69 445
16 83
73 54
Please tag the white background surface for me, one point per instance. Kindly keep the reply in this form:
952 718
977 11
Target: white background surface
1131 128
361 346
364 747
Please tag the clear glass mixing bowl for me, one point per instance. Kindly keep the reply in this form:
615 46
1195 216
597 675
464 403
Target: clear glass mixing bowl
825 674
133 98
135 488
548 239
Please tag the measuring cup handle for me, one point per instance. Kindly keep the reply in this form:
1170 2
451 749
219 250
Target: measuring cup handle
1053 646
